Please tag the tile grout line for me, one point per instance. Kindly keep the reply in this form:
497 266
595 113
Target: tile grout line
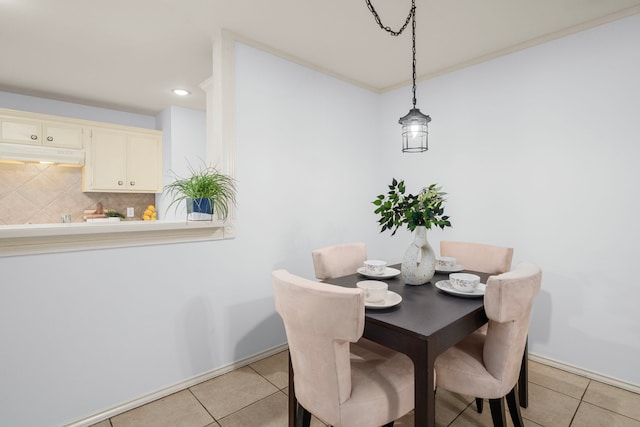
585 390
215 420
265 378
610 411
559 392
579 404
605 408
251 404
573 417
459 414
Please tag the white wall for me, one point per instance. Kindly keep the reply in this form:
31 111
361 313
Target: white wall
184 139
535 149
306 152
539 151
84 332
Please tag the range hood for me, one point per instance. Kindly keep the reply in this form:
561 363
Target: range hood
40 154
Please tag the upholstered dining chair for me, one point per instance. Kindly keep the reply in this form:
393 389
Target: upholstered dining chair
478 256
483 258
368 387
487 365
338 260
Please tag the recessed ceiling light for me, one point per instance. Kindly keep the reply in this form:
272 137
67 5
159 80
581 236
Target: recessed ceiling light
181 92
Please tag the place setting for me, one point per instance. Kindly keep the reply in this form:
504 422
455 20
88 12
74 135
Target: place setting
464 285
377 269
448 264
377 294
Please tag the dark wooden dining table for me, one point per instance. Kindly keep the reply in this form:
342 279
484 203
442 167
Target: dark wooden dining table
425 323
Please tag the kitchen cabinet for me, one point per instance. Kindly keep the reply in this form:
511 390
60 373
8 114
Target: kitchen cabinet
119 159
123 161
62 135
25 128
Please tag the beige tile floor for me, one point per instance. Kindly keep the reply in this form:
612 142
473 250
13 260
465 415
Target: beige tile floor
256 396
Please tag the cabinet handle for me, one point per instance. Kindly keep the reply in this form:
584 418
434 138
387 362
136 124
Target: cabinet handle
132 183
120 182
49 138
34 137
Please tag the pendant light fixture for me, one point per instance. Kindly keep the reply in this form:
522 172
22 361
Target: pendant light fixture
415 132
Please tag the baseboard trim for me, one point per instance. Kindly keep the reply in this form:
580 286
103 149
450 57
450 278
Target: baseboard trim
127 406
635 388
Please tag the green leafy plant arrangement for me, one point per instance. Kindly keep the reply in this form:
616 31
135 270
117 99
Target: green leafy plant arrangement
204 183
112 213
397 209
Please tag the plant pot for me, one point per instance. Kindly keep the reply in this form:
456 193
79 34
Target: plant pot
419 261
200 209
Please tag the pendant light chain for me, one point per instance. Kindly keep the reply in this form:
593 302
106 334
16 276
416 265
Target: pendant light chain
411 17
386 28
413 39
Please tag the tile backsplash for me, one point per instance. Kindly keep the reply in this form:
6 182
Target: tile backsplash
41 194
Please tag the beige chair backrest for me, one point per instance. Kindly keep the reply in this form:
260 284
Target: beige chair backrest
479 257
507 300
320 321
340 260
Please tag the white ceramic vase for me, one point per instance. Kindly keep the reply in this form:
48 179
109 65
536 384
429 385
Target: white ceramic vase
419 261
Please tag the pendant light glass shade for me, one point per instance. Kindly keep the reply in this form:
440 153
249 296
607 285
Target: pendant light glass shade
415 132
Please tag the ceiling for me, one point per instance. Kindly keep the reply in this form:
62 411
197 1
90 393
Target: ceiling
129 54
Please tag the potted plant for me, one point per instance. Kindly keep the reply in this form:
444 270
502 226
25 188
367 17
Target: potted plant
424 209
205 190
419 213
116 216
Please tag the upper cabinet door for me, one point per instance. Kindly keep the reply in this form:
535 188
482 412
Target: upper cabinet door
62 135
144 163
20 131
106 161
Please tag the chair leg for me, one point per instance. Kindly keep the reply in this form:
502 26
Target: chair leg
497 412
303 419
479 404
514 407
523 380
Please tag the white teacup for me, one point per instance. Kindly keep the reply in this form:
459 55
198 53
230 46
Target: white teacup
464 282
374 266
445 263
374 291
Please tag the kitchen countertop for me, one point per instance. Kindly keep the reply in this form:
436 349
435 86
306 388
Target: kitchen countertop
26 239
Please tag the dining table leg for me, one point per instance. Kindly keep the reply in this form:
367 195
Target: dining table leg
293 402
424 382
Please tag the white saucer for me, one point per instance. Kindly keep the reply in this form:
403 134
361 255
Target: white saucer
453 269
445 286
388 273
392 299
